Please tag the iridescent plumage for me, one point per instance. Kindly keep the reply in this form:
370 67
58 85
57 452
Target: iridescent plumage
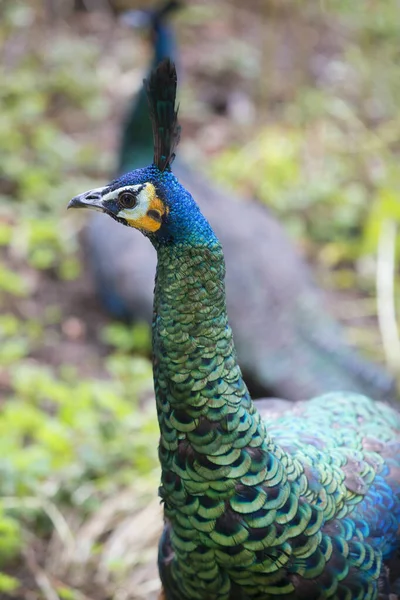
305 505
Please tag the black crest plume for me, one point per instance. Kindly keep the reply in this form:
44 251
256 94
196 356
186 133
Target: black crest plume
161 95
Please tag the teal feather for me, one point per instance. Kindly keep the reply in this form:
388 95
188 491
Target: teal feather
287 344
301 505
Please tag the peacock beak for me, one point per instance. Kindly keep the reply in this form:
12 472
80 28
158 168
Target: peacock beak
92 199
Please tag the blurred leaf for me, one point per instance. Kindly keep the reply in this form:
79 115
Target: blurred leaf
136 338
7 583
12 282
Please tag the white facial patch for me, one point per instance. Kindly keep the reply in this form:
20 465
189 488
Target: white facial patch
142 198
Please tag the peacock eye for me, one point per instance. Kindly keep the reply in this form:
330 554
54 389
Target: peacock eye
127 199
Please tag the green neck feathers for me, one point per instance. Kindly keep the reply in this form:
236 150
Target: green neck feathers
200 393
214 450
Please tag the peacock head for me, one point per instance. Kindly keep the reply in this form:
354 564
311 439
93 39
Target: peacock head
151 199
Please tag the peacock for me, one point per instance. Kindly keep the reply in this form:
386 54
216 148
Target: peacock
305 505
287 343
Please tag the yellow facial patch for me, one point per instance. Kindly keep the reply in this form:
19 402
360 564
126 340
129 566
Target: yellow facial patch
153 210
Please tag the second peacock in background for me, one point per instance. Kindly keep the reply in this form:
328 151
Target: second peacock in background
288 344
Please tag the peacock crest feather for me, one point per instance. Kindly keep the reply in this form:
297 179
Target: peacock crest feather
299 506
161 94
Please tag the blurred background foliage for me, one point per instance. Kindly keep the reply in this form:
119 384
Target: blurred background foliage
292 102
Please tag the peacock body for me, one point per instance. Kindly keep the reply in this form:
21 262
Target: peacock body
303 506
287 343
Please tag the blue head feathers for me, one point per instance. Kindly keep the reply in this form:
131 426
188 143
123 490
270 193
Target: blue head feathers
151 199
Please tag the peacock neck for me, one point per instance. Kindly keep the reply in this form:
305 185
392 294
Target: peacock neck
203 403
223 478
